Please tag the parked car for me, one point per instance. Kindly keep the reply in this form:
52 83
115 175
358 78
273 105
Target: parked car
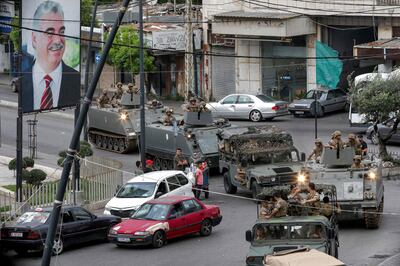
327 101
162 219
247 106
77 226
384 129
148 186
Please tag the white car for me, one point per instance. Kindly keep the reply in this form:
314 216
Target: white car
247 106
148 186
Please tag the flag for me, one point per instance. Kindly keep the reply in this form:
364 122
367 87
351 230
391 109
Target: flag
329 67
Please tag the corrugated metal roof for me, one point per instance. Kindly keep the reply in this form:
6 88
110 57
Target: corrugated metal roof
381 44
259 15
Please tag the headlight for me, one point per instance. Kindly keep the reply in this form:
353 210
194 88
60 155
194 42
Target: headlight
141 233
114 230
372 175
132 134
301 178
123 116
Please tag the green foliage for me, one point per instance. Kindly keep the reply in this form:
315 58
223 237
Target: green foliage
36 177
84 143
12 165
62 154
14 34
126 57
60 161
25 174
85 151
86 12
29 161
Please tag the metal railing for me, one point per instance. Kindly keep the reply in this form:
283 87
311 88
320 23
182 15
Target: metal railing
7 204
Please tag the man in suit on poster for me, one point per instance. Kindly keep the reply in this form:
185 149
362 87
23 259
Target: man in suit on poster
49 83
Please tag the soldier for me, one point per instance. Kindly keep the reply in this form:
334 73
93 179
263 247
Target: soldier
154 104
192 106
354 143
266 209
317 151
103 100
203 107
312 200
357 162
336 140
241 173
280 208
326 207
130 89
116 98
168 118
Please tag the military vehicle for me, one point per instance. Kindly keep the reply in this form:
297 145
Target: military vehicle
294 231
116 129
360 190
197 138
270 155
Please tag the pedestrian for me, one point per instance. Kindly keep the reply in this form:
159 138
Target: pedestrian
139 169
199 180
364 146
180 163
149 166
206 172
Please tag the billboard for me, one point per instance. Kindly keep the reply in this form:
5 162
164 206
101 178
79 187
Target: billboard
50 60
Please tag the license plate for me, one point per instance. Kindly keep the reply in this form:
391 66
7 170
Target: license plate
14 234
299 112
123 239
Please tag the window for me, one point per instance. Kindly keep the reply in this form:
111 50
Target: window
173 183
265 98
182 180
191 206
149 211
307 231
137 190
263 232
177 210
67 217
330 95
230 99
245 99
162 187
81 215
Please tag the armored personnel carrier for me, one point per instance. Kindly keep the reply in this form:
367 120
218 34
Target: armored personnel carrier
269 153
197 138
360 191
269 236
116 129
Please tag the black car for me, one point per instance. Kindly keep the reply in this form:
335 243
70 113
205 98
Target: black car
77 226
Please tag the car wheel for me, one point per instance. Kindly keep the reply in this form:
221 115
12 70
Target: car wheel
374 138
58 246
158 239
228 186
206 227
255 116
255 189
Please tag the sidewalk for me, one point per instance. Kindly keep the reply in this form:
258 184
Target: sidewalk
392 261
5 79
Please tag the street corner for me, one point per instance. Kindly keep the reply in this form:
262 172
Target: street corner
391 261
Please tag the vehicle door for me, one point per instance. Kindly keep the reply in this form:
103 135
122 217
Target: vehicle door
330 102
386 127
174 187
176 221
245 104
341 99
233 166
186 186
83 221
227 106
162 189
68 227
194 215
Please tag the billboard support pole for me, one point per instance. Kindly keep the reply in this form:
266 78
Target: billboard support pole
72 149
19 118
141 87
196 87
88 59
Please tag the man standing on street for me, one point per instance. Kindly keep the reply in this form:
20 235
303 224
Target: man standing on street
206 171
149 166
49 83
180 163
199 180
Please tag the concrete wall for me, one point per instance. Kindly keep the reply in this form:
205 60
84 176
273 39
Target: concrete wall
311 63
248 70
385 31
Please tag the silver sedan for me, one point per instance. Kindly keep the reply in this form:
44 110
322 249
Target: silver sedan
247 106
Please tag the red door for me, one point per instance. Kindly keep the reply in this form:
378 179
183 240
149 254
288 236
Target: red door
194 215
177 222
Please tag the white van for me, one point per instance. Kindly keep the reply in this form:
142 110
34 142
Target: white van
148 186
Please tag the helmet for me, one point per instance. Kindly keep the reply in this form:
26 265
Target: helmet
357 157
193 99
119 84
203 103
130 85
336 133
352 136
318 140
105 91
169 111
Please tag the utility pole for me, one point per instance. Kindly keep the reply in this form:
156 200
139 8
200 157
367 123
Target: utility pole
72 149
196 87
188 50
141 87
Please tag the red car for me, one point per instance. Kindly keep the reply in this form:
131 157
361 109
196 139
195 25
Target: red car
161 219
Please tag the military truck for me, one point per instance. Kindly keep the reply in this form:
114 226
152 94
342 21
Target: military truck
197 138
360 190
294 231
270 155
116 129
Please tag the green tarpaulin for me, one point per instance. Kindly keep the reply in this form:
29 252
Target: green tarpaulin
329 67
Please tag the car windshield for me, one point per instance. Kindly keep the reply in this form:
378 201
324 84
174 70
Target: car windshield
269 157
33 218
137 190
307 231
265 98
150 211
311 94
262 233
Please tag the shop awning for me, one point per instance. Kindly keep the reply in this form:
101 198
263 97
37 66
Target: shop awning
386 49
262 24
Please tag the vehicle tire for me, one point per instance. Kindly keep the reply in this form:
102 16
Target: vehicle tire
373 220
104 141
98 141
206 227
374 138
58 246
255 189
21 252
346 107
158 239
255 116
228 186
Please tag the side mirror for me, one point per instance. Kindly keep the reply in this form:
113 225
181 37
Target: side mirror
303 157
172 216
158 194
248 236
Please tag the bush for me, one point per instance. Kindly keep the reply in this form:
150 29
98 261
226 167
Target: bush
12 165
84 143
60 162
62 154
36 177
29 161
26 175
85 151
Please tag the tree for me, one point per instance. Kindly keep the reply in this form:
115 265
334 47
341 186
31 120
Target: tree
124 54
86 13
14 34
379 100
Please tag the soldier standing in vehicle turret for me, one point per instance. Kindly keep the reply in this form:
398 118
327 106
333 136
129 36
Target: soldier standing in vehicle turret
168 118
192 106
357 162
354 143
317 151
336 140
203 107
116 98
103 100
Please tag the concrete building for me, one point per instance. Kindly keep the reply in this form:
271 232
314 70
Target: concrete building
271 44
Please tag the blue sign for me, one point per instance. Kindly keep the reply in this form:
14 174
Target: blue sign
97 58
5 28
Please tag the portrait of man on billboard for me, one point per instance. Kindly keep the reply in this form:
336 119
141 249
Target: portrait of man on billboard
51 78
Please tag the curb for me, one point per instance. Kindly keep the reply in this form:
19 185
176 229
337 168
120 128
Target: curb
51 172
14 105
391 261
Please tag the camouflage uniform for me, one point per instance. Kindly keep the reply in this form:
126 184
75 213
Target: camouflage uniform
266 209
317 151
103 100
326 209
116 98
241 175
314 206
168 118
357 162
281 207
353 142
192 106
203 107
336 141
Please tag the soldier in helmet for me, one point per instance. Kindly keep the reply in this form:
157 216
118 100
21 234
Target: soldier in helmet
241 172
203 107
168 118
357 162
354 143
336 140
192 106
103 100
116 98
130 89
317 151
